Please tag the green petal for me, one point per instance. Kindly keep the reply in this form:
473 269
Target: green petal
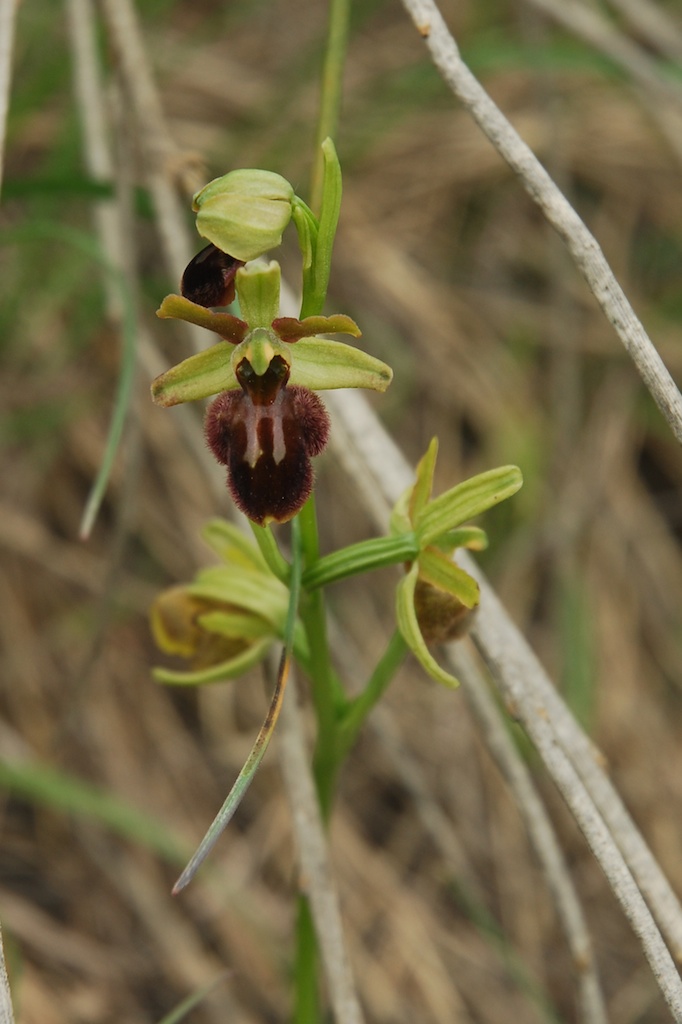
256 592
441 572
232 546
471 537
400 516
322 365
291 330
465 501
235 625
230 669
409 628
423 485
204 374
177 307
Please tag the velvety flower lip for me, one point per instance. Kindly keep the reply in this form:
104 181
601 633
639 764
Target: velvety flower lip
267 449
266 423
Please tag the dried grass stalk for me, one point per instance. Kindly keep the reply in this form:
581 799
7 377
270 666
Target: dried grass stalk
583 247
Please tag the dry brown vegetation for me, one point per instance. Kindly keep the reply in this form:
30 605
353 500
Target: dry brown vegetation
500 350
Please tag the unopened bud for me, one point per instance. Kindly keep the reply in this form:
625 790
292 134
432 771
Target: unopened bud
244 212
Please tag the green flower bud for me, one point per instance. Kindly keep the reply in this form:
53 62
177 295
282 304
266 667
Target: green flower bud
244 212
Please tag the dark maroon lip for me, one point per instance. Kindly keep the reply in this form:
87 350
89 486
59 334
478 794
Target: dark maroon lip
267 448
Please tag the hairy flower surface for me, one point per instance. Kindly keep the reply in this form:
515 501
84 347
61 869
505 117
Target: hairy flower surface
266 423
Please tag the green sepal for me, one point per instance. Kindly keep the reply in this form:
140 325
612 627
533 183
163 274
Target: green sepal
235 625
330 207
406 617
256 592
177 307
289 329
201 375
232 546
471 537
400 520
306 225
322 365
258 287
465 501
441 572
423 485
230 669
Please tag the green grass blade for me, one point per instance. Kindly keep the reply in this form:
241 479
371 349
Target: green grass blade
246 775
68 794
85 243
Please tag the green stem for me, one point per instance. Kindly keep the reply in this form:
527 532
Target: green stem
307 999
358 709
330 99
325 689
276 561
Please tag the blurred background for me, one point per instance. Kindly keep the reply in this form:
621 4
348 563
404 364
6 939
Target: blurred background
107 779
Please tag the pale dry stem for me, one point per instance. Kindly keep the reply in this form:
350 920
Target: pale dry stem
317 878
582 245
369 450
8 10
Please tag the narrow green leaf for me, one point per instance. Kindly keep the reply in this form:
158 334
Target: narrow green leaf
411 633
204 374
67 793
441 572
255 757
124 390
177 307
241 784
466 500
179 1012
423 485
321 365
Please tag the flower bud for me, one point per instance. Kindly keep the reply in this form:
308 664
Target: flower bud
244 212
